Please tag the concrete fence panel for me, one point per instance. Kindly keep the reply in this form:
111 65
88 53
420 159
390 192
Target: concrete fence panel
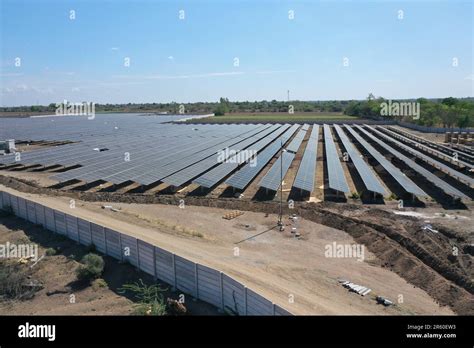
164 261
129 249
84 232
209 285
280 311
49 219
22 208
185 275
31 211
40 218
112 239
98 237
258 305
146 257
14 205
60 219
234 295
6 200
71 227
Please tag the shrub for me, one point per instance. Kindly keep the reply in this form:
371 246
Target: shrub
99 283
50 252
91 268
13 282
150 298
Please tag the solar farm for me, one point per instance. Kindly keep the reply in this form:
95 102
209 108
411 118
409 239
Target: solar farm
159 155
278 192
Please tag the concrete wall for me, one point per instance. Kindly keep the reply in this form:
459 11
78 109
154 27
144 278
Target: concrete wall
193 279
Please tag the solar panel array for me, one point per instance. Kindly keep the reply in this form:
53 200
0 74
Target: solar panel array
435 180
371 182
217 174
149 150
244 176
447 169
464 153
337 180
408 185
304 179
441 154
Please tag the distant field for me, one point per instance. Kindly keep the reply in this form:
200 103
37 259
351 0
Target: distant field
273 117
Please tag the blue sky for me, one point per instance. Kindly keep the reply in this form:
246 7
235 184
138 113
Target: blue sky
192 59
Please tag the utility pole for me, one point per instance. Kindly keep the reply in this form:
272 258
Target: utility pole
288 94
280 217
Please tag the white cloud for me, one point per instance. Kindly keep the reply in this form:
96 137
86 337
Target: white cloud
170 77
270 72
469 77
11 74
114 48
171 58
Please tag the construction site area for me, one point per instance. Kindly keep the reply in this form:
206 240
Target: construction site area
348 217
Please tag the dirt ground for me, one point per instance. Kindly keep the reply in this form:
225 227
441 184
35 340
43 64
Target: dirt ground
436 137
273 263
62 293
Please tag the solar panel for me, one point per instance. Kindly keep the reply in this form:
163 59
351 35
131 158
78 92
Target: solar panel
371 182
462 152
218 173
408 185
450 171
430 149
296 142
272 179
305 177
183 176
337 180
416 167
244 176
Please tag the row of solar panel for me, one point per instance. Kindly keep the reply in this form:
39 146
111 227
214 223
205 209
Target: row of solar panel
209 154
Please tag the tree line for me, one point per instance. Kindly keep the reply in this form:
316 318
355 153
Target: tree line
447 112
